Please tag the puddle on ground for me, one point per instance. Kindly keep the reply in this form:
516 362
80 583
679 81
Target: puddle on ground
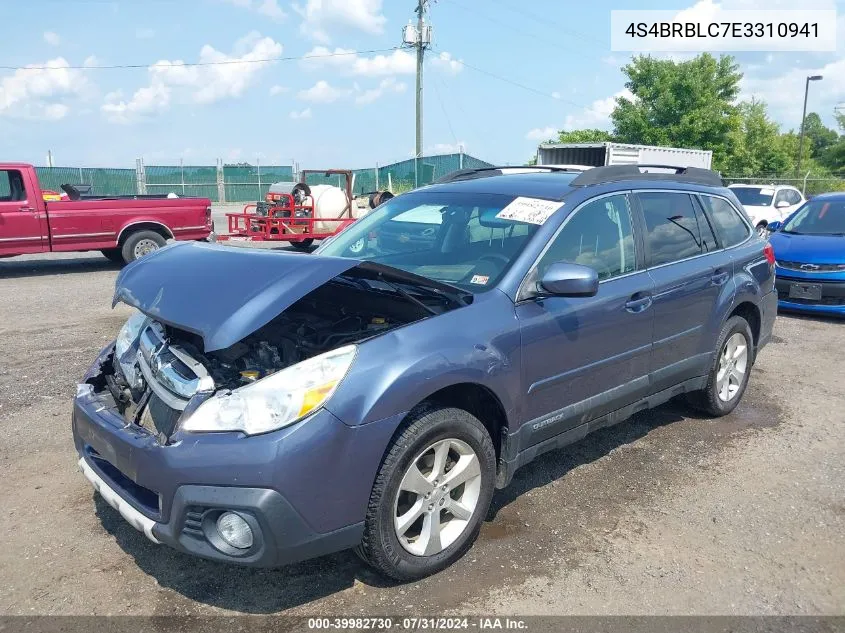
752 413
502 527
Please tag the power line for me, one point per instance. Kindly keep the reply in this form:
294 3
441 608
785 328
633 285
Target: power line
516 83
537 39
445 114
545 20
217 63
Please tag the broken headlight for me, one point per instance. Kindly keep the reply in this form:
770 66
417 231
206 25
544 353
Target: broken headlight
276 401
129 334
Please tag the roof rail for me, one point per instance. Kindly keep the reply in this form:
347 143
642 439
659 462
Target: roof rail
486 172
614 173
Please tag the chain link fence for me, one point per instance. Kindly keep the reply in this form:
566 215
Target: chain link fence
244 182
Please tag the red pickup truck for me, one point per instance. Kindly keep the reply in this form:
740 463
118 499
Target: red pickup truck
123 228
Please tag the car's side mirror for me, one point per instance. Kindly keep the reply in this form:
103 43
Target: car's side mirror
774 226
781 205
569 280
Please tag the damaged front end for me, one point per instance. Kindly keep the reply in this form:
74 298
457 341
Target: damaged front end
204 367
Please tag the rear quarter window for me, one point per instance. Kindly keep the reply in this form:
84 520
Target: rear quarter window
729 225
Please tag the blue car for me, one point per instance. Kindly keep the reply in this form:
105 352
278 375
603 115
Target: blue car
810 257
263 408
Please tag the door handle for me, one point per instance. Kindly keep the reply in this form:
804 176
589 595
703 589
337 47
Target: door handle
26 208
720 278
638 303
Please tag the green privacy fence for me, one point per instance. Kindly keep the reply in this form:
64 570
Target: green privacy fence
244 182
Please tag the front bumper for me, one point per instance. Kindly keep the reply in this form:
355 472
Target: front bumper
303 489
832 301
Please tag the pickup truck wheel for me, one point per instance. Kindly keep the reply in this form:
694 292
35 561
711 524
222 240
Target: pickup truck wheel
140 244
113 254
430 496
762 231
729 372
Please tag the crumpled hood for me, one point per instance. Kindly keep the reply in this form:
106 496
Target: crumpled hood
809 249
221 293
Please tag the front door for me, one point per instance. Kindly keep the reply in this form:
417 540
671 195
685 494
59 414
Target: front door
21 227
583 357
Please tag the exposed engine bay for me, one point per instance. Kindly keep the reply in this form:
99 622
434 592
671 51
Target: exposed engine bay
169 372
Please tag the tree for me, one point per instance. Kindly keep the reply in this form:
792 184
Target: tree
681 104
757 148
584 136
818 135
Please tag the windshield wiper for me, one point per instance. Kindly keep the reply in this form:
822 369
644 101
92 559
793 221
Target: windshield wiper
409 296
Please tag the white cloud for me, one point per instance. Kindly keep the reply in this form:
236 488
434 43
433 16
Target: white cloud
386 86
597 115
398 62
144 33
542 133
278 90
445 61
302 114
229 77
42 93
267 8
52 38
321 16
784 93
322 92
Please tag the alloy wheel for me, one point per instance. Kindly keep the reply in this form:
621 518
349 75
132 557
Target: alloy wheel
733 363
437 497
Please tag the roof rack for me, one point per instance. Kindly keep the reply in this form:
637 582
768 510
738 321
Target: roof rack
486 172
614 173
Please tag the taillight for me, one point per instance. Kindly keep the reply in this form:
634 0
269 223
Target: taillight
769 252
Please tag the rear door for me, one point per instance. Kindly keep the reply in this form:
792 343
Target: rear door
689 275
22 227
583 357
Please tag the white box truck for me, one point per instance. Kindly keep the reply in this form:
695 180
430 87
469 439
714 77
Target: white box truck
600 154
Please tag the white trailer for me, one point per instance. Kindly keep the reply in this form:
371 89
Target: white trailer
600 154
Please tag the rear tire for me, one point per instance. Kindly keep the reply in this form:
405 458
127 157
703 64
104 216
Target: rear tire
729 372
303 245
447 455
141 243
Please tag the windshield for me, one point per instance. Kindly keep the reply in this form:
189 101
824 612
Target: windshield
455 238
754 196
818 217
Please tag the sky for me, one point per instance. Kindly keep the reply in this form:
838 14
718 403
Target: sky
501 76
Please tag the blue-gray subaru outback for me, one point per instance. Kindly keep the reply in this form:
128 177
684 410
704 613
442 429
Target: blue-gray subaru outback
263 408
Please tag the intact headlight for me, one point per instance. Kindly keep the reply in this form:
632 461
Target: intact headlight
129 333
276 401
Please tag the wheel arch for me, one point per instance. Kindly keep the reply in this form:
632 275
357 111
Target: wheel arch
751 313
144 225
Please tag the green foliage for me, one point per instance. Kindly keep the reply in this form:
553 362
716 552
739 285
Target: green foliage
757 147
584 136
818 135
680 104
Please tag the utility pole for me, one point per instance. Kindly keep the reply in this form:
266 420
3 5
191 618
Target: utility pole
418 37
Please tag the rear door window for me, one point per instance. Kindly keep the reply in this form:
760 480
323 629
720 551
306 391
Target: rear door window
728 223
672 228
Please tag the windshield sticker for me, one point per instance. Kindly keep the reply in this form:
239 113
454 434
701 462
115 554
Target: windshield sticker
529 210
767 191
480 280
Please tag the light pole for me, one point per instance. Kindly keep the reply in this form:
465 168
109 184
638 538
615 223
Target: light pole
803 120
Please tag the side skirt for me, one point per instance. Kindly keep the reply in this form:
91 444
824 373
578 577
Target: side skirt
512 459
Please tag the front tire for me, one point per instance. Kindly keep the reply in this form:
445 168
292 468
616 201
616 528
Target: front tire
431 494
141 243
730 370
113 254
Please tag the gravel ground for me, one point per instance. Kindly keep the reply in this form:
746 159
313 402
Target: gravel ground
667 513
